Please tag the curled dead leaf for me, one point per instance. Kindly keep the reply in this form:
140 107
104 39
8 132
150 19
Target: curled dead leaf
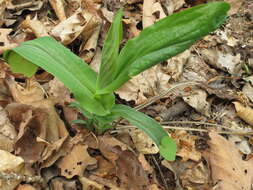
58 6
244 112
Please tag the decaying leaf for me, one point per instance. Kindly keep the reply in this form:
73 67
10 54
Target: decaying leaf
224 61
172 5
69 29
197 100
147 84
240 143
58 6
36 26
76 161
7 132
244 112
235 6
186 146
142 142
130 172
25 187
5 42
105 167
229 171
196 177
10 163
110 147
19 6
89 184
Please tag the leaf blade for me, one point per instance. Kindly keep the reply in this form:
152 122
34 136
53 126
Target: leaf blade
153 129
67 67
179 30
110 52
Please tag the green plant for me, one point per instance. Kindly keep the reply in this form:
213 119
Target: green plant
94 91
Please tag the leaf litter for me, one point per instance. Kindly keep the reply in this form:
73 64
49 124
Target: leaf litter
210 120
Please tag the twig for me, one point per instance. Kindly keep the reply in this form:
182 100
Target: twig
155 98
160 172
25 178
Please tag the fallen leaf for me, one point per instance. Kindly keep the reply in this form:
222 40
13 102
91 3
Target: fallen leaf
196 177
58 6
7 132
17 7
148 18
142 142
60 183
197 100
36 26
241 144
25 187
10 163
186 146
244 112
89 184
235 6
172 5
145 85
229 171
110 147
68 30
5 42
105 168
76 161
130 172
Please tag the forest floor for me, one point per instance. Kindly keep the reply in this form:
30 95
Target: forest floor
204 99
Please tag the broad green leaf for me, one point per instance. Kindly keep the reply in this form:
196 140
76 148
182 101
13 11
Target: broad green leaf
153 129
47 53
20 65
110 52
166 38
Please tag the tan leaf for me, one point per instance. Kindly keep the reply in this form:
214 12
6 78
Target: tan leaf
130 172
244 112
229 171
89 184
58 6
143 142
5 42
69 29
10 163
105 167
76 161
36 26
235 6
186 146
25 187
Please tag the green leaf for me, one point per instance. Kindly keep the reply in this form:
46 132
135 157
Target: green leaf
20 65
166 38
153 129
110 52
47 53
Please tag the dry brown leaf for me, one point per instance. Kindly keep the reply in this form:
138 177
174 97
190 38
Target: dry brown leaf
195 177
25 187
10 163
146 166
68 30
229 171
142 142
60 183
5 42
172 5
130 172
25 95
244 112
145 85
30 124
59 91
105 168
110 147
148 18
76 161
89 184
224 61
197 100
7 132
17 7
235 6
36 26
58 6
88 49
186 146
3 4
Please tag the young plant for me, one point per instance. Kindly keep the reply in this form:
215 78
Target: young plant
94 91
